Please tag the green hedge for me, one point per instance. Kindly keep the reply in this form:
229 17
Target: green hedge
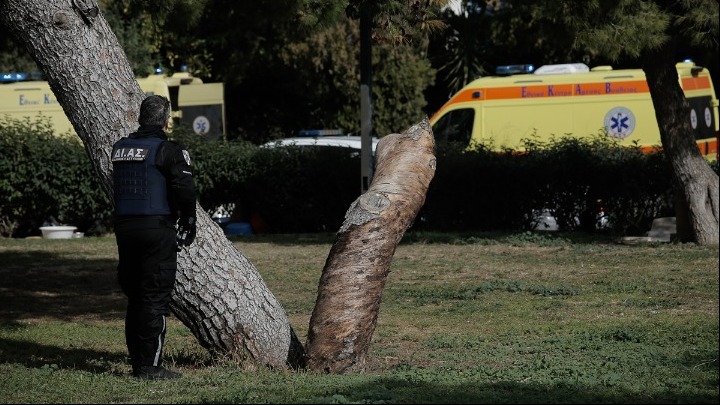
572 178
288 189
42 175
292 189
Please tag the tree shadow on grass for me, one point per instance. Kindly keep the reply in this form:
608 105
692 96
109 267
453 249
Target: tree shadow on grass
399 390
34 355
37 284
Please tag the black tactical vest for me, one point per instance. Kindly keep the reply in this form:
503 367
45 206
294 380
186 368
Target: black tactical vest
140 188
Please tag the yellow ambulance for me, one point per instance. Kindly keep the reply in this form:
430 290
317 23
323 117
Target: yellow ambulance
196 104
521 102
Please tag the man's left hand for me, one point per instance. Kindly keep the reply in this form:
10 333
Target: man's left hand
186 231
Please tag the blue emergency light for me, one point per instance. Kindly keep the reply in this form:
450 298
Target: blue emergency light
506 70
13 77
319 132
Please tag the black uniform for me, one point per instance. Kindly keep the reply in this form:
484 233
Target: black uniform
153 187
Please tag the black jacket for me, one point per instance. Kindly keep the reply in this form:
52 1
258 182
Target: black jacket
172 161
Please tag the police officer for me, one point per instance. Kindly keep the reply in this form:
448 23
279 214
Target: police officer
154 192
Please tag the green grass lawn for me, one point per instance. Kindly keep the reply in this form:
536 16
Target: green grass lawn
484 318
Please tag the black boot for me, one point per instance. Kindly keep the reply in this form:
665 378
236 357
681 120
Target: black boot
155 373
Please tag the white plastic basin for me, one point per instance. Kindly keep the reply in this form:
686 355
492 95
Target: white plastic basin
57 232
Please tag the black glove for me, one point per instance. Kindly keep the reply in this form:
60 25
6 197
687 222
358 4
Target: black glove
186 231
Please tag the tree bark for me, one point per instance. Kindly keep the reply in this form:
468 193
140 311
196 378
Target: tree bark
219 295
695 183
346 310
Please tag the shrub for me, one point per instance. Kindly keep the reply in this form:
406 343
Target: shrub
301 189
573 178
42 175
220 169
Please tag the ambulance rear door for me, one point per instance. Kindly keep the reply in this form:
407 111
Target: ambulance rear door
202 108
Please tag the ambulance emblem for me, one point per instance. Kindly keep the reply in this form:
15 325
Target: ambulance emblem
201 125
619 122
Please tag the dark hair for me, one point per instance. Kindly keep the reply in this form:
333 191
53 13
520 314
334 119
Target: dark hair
154 110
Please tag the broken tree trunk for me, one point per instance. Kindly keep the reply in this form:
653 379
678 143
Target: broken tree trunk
352 281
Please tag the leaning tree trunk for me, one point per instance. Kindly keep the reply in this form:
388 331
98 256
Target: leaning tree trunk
695 183
219 295
346 310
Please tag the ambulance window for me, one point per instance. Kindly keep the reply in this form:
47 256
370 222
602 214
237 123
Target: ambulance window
174 96
454 127
701 117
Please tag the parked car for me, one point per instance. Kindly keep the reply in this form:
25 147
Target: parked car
353 142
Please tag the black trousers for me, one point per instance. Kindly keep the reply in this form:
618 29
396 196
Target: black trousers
146 274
